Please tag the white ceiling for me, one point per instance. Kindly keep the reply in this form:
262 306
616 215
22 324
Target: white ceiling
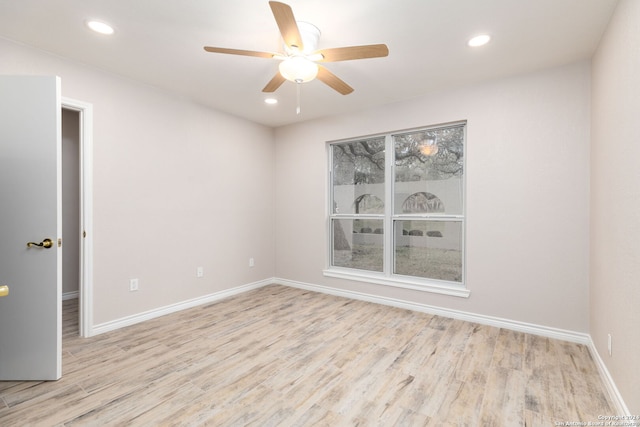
160 42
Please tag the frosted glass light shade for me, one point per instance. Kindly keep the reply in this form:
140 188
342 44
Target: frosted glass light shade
298 69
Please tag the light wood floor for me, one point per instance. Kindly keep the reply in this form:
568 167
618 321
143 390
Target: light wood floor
284 356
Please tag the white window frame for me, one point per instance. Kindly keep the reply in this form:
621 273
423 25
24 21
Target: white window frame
387 277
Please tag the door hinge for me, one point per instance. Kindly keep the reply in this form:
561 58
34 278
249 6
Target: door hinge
84 234
59 242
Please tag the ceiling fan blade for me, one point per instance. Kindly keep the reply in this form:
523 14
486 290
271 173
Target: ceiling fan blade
354 52
274 83
239 52
331 80
287 24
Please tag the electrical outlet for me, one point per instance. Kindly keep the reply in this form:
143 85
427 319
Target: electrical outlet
251 262
609 343
200 272
133 285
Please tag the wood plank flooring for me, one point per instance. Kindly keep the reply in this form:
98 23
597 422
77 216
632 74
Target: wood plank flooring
283 356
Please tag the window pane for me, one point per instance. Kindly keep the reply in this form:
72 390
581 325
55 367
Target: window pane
358 243
428 171
358 177
430 249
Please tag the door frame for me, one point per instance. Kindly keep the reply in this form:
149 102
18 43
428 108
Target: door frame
85 289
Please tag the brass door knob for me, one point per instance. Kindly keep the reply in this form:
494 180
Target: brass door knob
4 291
46 243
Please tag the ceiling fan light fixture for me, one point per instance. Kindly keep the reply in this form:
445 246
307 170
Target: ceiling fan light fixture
298 69
300 40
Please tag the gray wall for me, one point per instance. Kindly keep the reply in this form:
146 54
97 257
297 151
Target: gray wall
615 202
176 186
527 245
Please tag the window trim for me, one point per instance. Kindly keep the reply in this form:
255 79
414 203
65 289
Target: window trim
387 277
398 281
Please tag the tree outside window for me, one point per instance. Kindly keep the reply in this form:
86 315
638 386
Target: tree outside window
401 216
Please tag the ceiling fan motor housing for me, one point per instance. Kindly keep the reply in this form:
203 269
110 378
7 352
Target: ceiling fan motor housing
310 34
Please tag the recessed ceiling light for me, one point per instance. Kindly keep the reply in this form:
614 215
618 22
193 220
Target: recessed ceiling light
100 27
270 101
480 40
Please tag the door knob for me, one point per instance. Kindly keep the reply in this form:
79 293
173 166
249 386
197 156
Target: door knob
46 243
4 291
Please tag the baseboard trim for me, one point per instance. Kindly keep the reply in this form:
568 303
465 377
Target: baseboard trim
614 393
70 295
560 334
172 308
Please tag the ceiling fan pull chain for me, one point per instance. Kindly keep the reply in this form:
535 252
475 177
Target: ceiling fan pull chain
298 84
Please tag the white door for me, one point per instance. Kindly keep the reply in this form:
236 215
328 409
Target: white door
30 211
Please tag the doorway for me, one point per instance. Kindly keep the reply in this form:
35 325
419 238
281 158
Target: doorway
71 204
77 203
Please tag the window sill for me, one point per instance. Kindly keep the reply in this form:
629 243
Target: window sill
405 283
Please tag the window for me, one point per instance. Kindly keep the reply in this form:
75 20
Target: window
397 209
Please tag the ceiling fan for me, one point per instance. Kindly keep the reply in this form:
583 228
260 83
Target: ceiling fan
300 60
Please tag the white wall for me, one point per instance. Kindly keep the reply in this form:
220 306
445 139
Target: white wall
527 195
615 200
176 186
